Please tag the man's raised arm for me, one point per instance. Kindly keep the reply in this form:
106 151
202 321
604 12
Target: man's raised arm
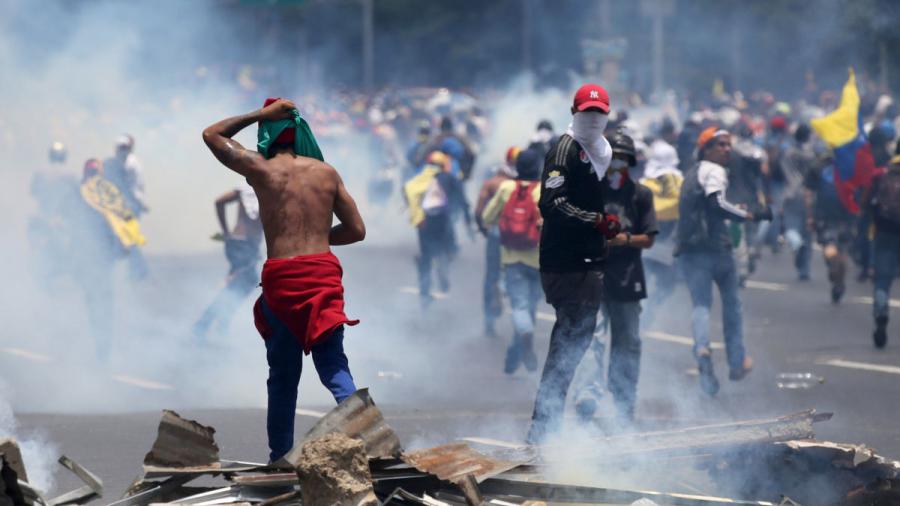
351 228
218 137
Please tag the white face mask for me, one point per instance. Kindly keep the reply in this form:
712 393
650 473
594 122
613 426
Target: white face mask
589 126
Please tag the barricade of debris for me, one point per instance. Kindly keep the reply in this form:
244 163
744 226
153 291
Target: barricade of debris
352 457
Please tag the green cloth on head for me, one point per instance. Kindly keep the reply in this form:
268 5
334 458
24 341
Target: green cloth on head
304 142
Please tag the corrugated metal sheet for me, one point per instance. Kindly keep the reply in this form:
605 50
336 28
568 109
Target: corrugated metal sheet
182 443
452 462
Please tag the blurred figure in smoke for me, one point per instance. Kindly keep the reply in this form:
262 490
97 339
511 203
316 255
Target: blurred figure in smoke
514 210
748 169
884 209
798 161
662 177
544 139
623 281
415 155
880 140
833 224
462 157
124 171
434 197
572 248
106 230
242 251
687 140
778 142
301 309
704 248
50 229
492 303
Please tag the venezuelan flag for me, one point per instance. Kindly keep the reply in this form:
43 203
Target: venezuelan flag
842 130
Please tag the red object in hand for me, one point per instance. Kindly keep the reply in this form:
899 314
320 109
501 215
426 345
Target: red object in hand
610 226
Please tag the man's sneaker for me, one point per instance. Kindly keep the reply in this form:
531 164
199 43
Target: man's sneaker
739 374
513 359
708 382
880 334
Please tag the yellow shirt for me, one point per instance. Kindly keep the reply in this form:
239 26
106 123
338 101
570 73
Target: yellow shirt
491 216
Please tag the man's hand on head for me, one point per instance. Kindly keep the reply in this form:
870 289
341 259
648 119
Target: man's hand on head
277 110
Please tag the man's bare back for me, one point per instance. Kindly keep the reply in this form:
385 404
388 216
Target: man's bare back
297 195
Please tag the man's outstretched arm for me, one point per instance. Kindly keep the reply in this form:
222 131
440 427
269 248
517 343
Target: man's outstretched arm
218 137
351 228
221 202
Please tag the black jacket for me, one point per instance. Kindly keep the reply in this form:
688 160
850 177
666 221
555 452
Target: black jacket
570 204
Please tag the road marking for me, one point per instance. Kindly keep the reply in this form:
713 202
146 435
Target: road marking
309 412
683 340
869 301
142 383
865 366
415 291
764 285
30 355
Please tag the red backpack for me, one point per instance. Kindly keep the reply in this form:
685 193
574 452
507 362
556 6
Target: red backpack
519 219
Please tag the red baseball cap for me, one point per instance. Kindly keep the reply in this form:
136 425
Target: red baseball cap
591 96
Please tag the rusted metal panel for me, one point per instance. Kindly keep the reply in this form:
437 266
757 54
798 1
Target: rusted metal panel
221 467
182 443
452 462
357 417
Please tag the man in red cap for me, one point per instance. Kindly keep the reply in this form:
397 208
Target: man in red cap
704 249
572 249
301 309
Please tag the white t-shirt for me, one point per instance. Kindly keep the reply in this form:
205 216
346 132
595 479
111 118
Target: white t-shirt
713 177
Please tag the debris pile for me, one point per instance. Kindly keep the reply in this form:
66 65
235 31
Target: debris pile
352 457
16 491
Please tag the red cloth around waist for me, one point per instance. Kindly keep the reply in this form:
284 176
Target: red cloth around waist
305 293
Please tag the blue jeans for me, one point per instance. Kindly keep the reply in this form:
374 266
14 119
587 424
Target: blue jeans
799 239
886 260
523 287
700 270
491 296
569 340
624 355
285 357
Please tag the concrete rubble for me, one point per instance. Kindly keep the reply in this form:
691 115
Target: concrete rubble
334 469
353 457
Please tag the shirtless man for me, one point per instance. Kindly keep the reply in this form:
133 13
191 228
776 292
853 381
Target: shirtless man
301 309
242 251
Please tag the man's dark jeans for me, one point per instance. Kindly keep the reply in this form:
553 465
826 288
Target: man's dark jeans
576 297
285 357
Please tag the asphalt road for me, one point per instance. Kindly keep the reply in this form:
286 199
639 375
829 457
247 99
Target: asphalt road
434 375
